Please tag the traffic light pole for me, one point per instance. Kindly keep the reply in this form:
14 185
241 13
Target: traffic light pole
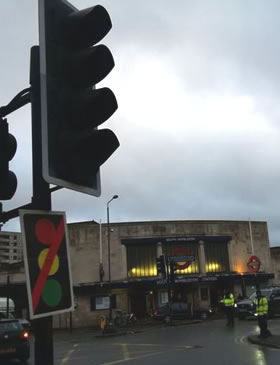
41 200
168 272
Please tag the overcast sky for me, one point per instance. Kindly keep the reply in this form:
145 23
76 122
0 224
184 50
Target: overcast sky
198 88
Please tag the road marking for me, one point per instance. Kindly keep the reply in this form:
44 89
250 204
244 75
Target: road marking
126 355
69 353
132 358
125 351
139 344
158 345
241 340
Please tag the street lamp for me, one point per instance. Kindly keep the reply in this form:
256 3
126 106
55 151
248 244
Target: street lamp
109 254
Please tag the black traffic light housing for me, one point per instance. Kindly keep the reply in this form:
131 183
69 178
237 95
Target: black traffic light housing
161 266
8 147
173 269
71 64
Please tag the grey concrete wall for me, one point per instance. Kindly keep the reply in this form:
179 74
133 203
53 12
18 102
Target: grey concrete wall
84 252
275 261
84 243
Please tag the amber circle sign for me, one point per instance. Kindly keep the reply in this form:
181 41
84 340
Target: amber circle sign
187 258
254 264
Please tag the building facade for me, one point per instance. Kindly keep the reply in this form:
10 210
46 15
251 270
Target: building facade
10 247
220 251
275 261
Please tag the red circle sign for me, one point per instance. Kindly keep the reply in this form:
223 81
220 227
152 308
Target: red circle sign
254 264
183 252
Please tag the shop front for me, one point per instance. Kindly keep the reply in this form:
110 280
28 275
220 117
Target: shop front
199 282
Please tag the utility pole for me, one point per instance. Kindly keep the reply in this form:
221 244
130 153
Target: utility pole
41 200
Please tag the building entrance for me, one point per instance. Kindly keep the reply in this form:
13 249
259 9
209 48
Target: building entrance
138 303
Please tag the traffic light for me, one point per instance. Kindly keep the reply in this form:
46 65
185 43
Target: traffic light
8 147
161 267
72 109
173 269
47 263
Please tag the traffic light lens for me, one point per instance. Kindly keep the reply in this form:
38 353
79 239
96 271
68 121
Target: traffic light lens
12 146
86 27
8 186
86 67
8 146
45 231
52 293
41 260
90 108
100 143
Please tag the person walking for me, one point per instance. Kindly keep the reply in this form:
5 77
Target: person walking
261 306
228 303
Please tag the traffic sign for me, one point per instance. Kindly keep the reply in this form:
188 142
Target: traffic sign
186 259
254 264
182 258
47 262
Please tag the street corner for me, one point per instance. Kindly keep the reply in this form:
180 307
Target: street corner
271 341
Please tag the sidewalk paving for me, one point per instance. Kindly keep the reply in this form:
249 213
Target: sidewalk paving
142 325
272 341
147 324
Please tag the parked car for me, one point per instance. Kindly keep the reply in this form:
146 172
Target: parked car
24 322
14 340
181 311
246 308
3 304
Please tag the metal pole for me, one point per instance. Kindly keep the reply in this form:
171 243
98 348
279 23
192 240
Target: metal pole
101 270
42 200
100 242
109 262
251 237
8 296
109 256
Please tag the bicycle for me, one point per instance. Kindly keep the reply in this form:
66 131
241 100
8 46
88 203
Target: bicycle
124 319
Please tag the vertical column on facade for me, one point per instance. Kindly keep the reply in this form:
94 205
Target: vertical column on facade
202 259
159 249
230 261
124 261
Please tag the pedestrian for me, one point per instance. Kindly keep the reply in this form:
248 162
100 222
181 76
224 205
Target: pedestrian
228 303
261 306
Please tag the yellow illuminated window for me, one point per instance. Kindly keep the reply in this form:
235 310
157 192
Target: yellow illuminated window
216 255
141 261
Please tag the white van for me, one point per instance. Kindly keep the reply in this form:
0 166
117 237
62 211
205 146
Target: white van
3 305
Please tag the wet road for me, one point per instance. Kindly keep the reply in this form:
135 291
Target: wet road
209 342
206 343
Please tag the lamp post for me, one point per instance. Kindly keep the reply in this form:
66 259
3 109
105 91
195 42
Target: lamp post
109 254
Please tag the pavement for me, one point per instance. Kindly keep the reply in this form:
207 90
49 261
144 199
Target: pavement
272 341
140 327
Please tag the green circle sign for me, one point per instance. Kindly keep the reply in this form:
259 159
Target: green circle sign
52 293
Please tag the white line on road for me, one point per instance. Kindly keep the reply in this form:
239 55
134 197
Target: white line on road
69 353
132 358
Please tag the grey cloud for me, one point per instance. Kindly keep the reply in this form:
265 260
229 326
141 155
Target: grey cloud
211 48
